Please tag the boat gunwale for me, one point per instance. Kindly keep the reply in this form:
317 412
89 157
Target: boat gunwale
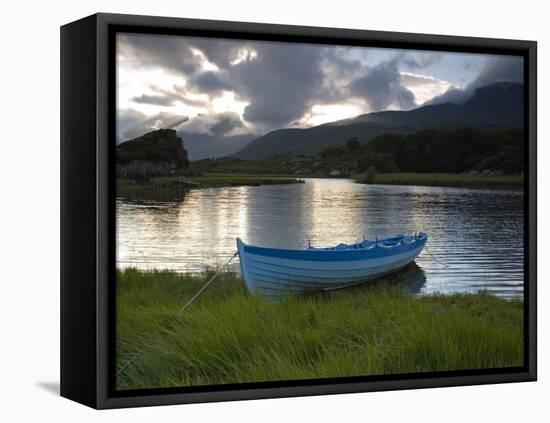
344 254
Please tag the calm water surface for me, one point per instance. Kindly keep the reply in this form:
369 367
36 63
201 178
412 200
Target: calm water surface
477 234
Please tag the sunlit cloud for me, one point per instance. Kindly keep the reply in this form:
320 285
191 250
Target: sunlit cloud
204 63
257 86
323 113
243 55
133 83
228 102
424 87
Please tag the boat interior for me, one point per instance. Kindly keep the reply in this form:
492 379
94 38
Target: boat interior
390 242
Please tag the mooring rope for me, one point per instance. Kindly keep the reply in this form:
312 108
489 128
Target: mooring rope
433 257
193 298
188 303
130 361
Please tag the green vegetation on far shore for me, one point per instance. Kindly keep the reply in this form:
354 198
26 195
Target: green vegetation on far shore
229 336
443 179
277 165
450 151
204 181
464 157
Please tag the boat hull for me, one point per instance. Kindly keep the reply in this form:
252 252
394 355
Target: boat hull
276 273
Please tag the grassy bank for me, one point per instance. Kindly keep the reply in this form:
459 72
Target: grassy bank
276 165
228 336
444 180
205 181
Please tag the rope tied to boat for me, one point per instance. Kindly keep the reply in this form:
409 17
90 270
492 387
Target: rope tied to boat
434 258
128 362
136 355
212 279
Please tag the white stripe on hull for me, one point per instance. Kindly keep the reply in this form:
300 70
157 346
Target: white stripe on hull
310 271
324 282
265 282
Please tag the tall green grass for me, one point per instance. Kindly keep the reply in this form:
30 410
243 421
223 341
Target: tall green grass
228 336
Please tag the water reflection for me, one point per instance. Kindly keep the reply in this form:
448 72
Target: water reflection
412 278
478 234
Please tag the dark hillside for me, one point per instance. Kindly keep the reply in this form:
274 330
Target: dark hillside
498 105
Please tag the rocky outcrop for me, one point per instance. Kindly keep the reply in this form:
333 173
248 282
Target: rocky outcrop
157 153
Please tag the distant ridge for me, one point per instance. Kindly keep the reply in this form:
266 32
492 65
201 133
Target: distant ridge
499 105
205 146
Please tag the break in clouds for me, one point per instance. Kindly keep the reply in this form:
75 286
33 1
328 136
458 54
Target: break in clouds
225 88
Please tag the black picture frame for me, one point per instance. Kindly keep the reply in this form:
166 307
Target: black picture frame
87 209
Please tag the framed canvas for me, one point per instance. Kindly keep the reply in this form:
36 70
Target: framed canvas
256 211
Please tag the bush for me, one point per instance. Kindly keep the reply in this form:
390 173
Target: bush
370 175
383 162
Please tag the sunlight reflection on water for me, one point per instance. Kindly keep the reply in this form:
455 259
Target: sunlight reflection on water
477 233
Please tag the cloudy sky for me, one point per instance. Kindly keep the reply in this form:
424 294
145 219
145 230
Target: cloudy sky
233 87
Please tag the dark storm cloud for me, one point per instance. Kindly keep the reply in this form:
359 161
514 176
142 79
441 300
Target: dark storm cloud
495 69
381 87
226 122
158 100
168 97
500 68
210 82
162 51
280 82
338 71
218 124
405 98
176 53
218 51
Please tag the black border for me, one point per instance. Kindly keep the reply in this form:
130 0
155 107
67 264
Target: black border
107 26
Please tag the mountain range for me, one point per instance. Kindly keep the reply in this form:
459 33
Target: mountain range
206 146
499 105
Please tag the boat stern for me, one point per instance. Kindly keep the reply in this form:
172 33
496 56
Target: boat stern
244 273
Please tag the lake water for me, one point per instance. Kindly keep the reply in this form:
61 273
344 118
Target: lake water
477 234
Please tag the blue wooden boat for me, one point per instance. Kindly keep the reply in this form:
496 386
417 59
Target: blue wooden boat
276 272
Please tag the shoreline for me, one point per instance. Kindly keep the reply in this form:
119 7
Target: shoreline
450 180
124 185
220 180
229 336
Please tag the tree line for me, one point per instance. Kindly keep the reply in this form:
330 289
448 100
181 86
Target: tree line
437 151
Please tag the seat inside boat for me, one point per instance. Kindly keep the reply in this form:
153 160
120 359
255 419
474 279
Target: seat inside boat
393 241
